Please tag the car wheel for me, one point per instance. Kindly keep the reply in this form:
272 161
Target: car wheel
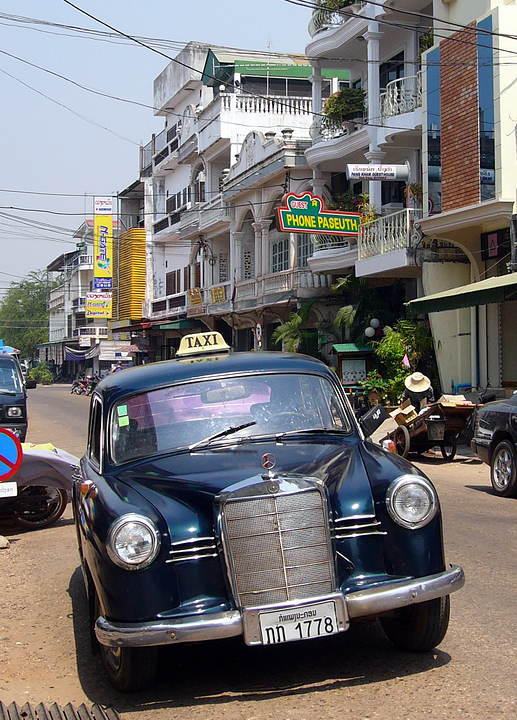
130 669
40 506
448 448
503 470
420 627
402 441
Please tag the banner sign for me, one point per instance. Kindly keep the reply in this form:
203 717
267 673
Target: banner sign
98 305
218 295
377 172
305 214
103 244
194 296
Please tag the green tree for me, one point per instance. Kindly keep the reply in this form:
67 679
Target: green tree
404 338
23 314
294 333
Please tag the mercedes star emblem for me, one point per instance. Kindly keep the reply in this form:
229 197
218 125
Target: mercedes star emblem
268 461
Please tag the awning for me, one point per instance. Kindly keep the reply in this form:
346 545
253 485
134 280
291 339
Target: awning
351 348
484 292
186 324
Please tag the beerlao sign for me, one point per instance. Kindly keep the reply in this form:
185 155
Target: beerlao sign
305 214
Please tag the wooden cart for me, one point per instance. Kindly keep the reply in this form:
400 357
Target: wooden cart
439 426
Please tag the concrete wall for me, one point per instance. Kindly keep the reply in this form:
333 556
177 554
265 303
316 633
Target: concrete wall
451 329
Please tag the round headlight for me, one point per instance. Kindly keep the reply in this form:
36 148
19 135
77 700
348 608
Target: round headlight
133 542
412 501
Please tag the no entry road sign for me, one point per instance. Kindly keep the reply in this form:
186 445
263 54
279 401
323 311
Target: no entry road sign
11 454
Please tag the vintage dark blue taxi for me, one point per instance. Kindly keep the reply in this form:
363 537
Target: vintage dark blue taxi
235 494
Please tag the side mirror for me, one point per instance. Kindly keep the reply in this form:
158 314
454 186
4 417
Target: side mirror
373 419
30 383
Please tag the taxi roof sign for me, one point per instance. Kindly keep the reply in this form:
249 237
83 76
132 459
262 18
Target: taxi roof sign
202 343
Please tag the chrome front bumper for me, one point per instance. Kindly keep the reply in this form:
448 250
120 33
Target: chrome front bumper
196 628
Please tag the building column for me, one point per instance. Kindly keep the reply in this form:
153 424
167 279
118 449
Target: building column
149 259
261 228
237 259
375 155
317 103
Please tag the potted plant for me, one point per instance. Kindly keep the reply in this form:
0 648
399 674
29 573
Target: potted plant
346 104
375 387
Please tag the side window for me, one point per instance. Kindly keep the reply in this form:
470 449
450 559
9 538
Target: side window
94 436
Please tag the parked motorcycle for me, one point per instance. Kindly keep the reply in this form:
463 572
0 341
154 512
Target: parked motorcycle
92 383
37 494
79 385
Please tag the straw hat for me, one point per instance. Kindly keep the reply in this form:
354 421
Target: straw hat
417 382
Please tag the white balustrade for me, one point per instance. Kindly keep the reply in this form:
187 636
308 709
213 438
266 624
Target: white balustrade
401 96
386 234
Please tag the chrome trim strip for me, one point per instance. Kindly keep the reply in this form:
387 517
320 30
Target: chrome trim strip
372 601
343 536
193 549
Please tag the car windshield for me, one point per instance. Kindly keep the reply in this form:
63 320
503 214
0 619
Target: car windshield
10 378
186 415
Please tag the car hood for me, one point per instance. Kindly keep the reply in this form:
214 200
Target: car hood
192 480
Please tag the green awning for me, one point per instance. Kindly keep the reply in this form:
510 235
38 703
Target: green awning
484 292
221 64
185 324
351 348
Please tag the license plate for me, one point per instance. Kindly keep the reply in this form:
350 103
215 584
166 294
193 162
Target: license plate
8 489
300 623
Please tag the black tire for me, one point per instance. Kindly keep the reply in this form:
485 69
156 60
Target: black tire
402 441
448 448
503 470
130 669
39 506
421 627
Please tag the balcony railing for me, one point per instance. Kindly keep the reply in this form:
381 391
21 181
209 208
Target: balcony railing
331 242
280 282
90 330
169 306
401 96
324 19
386 234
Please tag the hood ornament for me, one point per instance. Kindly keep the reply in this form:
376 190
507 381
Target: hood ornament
268 461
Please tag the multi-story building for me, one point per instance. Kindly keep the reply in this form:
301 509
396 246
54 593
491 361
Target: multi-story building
77 342
236 128
446 113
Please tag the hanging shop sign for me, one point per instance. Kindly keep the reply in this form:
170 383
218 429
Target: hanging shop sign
103 244
377 172
194 296
98 305
305 214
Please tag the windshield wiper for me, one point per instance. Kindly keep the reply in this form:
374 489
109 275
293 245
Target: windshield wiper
3 391
221 434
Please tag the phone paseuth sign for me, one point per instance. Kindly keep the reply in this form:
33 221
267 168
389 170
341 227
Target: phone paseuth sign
305 214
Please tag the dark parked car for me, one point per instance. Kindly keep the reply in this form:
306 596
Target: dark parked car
236 495
494 442
13 397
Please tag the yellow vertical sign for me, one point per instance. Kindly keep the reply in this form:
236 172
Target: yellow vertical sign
103 244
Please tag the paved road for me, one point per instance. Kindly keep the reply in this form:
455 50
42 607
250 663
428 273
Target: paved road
44 652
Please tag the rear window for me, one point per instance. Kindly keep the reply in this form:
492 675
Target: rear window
10 376
178 416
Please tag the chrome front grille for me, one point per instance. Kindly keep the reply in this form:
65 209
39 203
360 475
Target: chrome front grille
278 547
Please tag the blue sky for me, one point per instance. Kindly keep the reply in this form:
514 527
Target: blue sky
51 142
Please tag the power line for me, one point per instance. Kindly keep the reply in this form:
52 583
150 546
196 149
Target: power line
82 117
